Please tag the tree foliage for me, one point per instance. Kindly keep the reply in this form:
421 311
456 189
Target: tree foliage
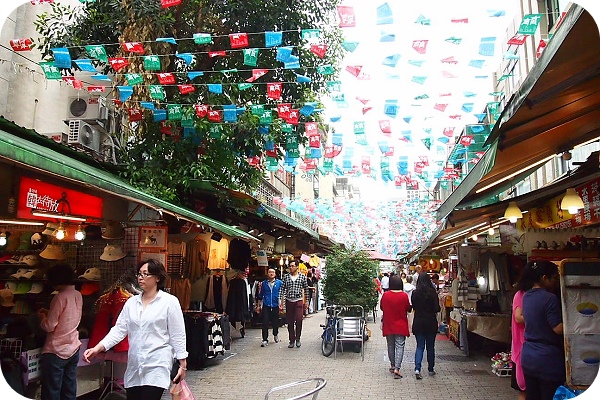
349 278
165 164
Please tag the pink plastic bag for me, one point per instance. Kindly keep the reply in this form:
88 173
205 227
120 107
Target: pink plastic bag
181 391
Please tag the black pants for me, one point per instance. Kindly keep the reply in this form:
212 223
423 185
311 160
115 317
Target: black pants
144 392
540 389
270 315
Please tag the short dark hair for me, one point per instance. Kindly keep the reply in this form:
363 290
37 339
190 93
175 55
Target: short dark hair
60 274
534 272
396 283
155 268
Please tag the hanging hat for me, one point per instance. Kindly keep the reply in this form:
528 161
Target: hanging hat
20 272
36 287
30 259
6 298
12 286
51 228
25 241
15 260
37 241
91 274
53 252
23 287
89 288
114 230
13 241
93 232
32 273
112 253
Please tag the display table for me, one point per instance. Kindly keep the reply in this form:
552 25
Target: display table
489 325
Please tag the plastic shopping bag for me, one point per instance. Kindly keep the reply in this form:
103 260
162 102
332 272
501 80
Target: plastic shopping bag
564 392
181 391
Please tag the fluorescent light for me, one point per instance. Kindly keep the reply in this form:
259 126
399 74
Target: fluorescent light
57 216
444 245
588 142
516 173
457 234
17 222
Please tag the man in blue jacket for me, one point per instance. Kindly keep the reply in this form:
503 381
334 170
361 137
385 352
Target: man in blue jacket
268 306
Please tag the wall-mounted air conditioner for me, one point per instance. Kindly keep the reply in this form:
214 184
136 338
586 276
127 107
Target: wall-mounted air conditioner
86 108
85 135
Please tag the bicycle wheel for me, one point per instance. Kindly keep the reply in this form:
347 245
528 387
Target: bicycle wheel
328 342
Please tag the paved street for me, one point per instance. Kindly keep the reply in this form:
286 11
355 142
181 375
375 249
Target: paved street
248 371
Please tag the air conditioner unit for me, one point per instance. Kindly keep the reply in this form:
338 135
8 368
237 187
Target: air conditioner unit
86 108
85 135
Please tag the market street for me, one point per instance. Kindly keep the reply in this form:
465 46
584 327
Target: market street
249 371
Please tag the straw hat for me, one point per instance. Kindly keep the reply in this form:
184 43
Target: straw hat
112 253
6 298
53 252
91 274
114 230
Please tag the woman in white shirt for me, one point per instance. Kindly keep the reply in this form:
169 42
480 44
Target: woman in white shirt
153 322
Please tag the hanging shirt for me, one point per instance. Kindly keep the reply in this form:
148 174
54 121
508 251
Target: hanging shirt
156 334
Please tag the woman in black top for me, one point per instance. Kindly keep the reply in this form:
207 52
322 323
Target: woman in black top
426 305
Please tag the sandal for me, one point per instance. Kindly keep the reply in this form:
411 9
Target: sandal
392 369
397 374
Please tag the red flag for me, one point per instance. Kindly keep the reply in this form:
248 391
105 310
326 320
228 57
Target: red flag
459 20
449 60
390 152
315 141
117 63
449 131
135 114
420 46
455 116
71 80
540 48
332 151
186 89
466 140
238 40
424 160
311 163
419 167
319 49
363 77
214 116
354 69
347 17
272 153
440 107
365 109
398 180
363 100
385 126
169 3
257 73
517 39
365 165
21 44
274 90
254 161
293 117
283 110
166 78
96 89
201 110
220 53
448 94
310 129
133 47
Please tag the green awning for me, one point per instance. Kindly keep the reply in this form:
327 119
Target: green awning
289 220
49 161
481 168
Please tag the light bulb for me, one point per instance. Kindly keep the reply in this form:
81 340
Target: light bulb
474 237
3 239
481 280
491 231
573 210
60 232
513 220
431 261
80 234
281 261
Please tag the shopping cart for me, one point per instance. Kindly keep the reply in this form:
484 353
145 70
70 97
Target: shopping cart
319 383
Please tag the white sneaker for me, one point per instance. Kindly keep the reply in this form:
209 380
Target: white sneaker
264 343
276 338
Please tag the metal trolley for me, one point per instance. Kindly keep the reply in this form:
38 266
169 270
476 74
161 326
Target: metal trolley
319 383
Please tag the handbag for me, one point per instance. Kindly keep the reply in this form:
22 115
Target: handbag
174 369
181 391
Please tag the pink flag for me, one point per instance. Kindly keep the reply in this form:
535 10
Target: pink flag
420 46
459 20
449 131
384 125
440 107
390 152
347 18
449 60
365 165
354 69
365 109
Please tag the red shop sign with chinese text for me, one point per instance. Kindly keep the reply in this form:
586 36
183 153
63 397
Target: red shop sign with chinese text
34 194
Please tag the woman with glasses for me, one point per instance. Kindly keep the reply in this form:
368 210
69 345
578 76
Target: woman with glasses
542 356
153 323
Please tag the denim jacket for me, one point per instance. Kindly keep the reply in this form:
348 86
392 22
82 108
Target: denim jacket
270 298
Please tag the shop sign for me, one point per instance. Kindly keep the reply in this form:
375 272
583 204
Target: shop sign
261 258
31 360
551 216
42 196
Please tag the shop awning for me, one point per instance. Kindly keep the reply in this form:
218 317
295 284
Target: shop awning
289 220
48 161
556 108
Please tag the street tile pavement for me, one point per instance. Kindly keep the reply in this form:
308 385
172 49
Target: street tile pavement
248 371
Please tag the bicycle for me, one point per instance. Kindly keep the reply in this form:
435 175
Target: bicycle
328 338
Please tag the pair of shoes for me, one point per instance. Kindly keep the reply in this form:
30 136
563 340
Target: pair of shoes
298 344
397 374
392 370
264 343
431 373
291 345
276 339
418 375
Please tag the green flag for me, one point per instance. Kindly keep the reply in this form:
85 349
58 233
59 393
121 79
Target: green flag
529 24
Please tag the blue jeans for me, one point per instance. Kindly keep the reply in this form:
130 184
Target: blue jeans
395 348
425 340
59 376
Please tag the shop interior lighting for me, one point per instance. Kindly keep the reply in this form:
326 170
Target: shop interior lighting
253 231
480 280
3 239
444 245
491 231
515 173
18 222
58 216
60 232
260 234
474 237
588 142
457 234
513 212
80 233
281 261
571 202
